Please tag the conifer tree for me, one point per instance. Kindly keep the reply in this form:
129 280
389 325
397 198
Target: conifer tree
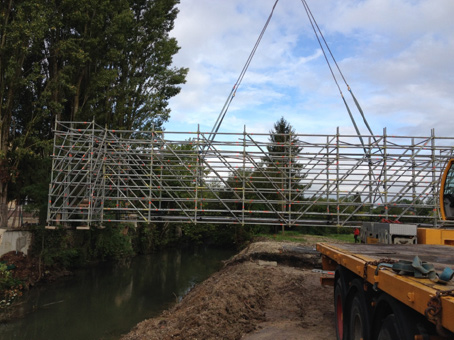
281 166
284 145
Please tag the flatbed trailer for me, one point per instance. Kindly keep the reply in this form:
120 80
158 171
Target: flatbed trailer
373 301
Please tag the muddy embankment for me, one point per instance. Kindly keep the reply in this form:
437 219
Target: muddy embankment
267 291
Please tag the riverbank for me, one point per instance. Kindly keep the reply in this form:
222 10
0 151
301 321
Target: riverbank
267 291
106 300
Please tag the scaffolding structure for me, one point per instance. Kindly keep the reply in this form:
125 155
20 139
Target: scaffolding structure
101 175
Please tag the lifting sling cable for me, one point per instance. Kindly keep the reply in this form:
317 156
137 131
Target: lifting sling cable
309 12
226 106
312 20
367 154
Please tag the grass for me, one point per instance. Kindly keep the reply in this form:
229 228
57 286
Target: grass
295 236
292 236
342 237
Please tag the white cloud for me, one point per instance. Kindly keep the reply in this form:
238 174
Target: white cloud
396 55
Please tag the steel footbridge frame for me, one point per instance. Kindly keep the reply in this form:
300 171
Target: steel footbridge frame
101 175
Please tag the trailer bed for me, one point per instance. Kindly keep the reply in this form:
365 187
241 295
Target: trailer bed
362 259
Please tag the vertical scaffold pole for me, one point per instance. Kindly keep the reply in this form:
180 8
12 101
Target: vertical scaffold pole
103 180
198 175
121 166
244 176
289 191
67 177
413 173
385 172
91 185
327 177
203 182
370 167
51 186
160 154
150 181
434 179
337 177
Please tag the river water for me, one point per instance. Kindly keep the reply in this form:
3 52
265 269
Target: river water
106 301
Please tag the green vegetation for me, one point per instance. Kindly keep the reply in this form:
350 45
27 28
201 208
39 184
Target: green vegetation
69 248
292 236
6 279
66 248
9 287
342 237
109 60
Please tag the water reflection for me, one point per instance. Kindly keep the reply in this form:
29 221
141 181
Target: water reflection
106 301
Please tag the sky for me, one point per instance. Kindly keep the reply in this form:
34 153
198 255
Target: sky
396 55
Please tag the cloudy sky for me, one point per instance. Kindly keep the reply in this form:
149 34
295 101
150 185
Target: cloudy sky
396 55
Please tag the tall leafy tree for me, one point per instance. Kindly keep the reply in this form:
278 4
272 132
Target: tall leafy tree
22 25
108 60
112 60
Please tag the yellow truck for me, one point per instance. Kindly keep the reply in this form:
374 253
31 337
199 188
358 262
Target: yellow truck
396 291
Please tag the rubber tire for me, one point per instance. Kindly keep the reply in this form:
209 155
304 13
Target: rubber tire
339 300
359 314
400 322
389 329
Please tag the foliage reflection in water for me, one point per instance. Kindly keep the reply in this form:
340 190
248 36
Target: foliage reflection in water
106 301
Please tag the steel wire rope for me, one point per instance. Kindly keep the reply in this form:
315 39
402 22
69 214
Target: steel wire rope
220 119
358 106
312 22
227 103
308 10
345 81
314 25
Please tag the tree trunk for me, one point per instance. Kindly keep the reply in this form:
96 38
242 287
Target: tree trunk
4 205
4 166
4 179
4 174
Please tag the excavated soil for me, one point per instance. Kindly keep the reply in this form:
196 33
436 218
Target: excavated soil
268 291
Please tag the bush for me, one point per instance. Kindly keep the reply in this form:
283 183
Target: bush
9 287
66 258
112 243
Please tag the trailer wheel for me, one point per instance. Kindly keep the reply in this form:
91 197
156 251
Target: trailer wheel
389 329
339 309
394 320
359 320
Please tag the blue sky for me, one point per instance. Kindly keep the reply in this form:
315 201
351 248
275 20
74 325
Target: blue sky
397 56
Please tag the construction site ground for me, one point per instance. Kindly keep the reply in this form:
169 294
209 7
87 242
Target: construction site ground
267 291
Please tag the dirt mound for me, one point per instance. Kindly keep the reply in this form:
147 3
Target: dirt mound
249 299
222 307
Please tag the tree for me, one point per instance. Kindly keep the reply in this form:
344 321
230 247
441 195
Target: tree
284 144
281 167
80 60
22 24
111 59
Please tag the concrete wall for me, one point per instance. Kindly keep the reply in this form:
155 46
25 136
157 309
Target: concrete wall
14 240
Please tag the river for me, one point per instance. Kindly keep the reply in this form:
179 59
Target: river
107 300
